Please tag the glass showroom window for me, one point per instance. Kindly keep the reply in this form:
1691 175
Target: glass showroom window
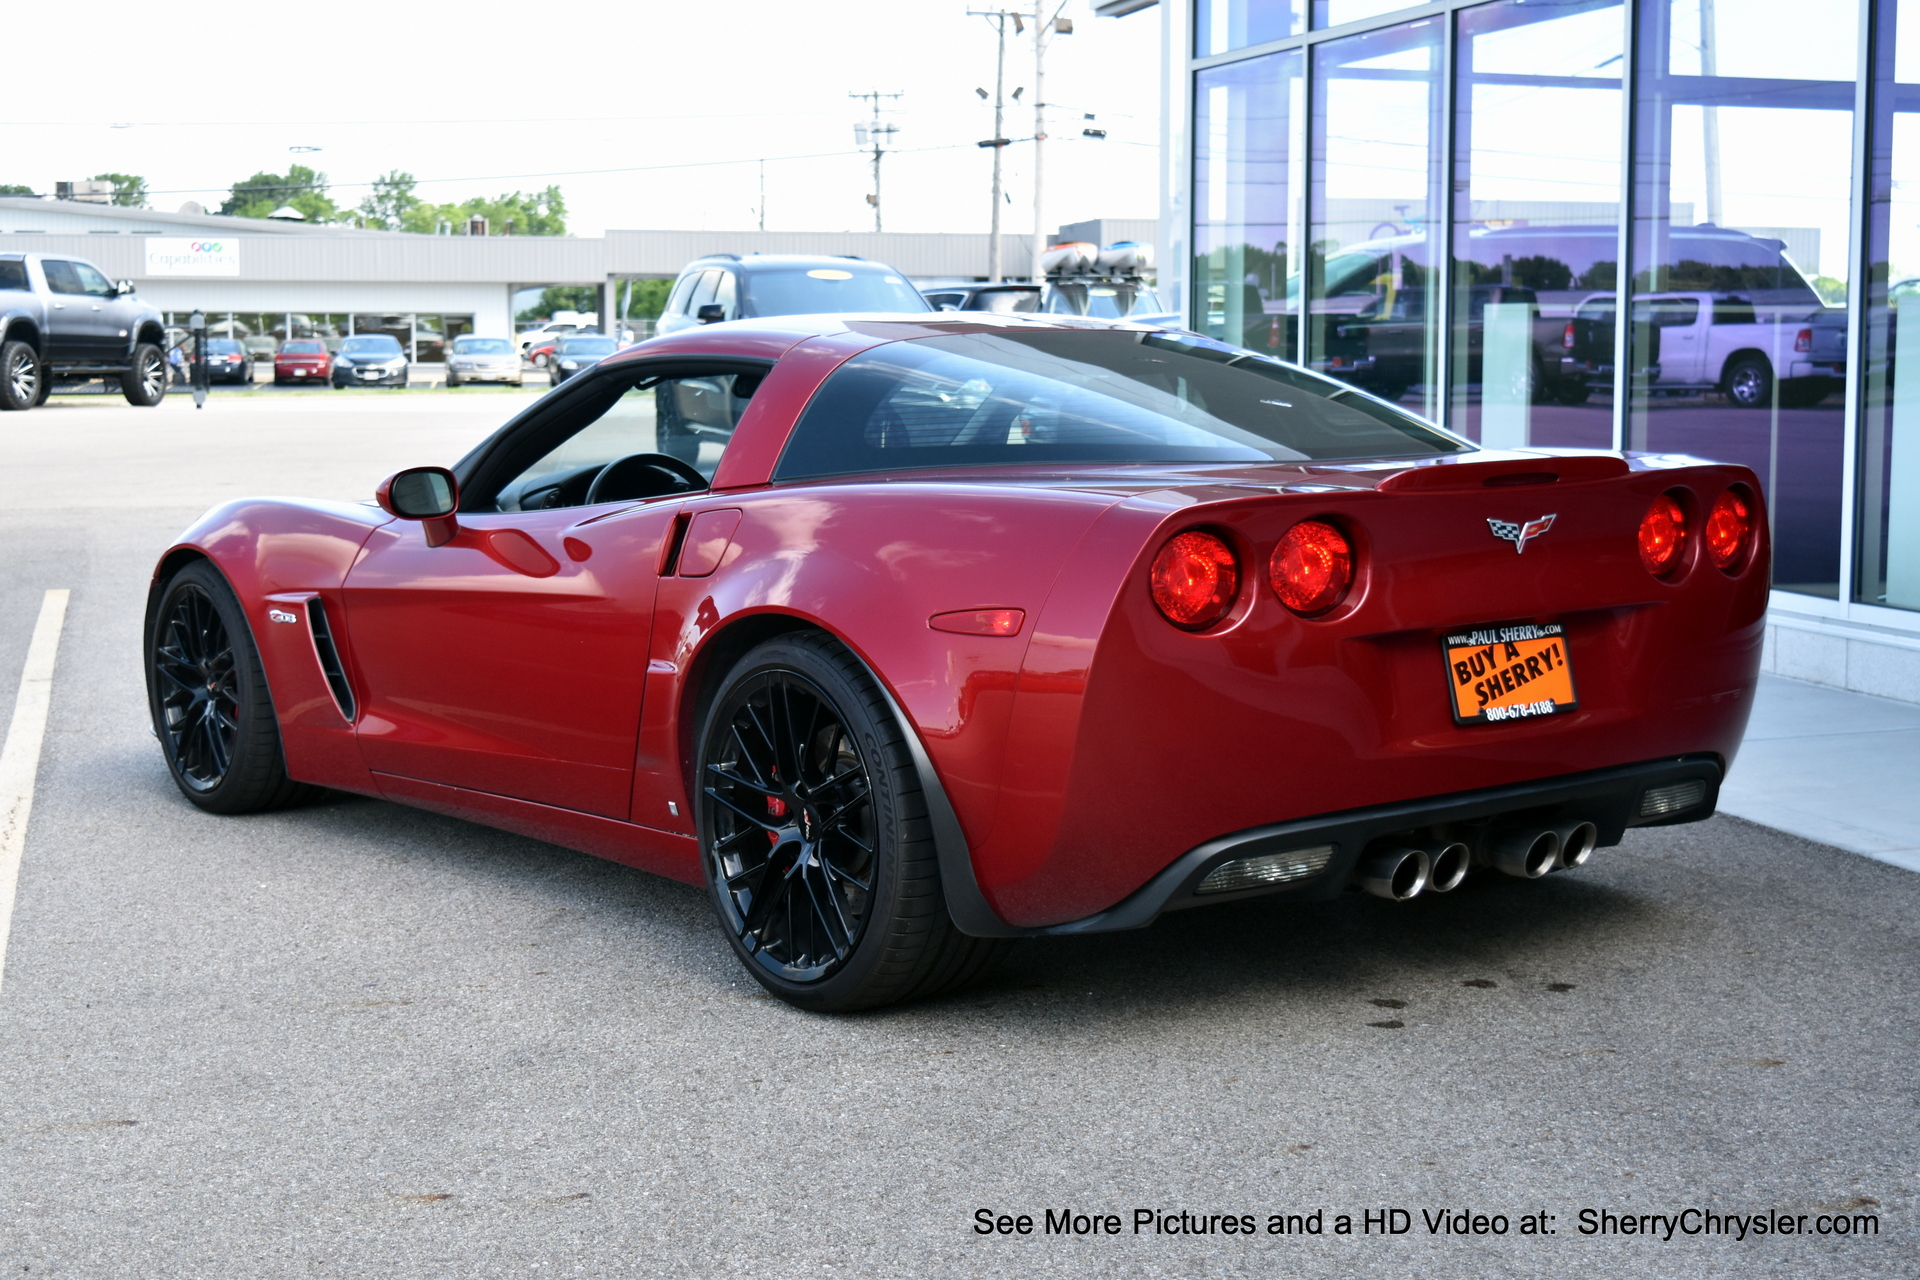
1889 555
1376 204
1331 13
1536 230
1220 25
1246 282
1741 238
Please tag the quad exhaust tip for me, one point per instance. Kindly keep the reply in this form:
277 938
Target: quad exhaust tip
1527 852
1447 865
1397 874
1577 843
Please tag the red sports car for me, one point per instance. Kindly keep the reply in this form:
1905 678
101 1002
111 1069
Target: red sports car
904 637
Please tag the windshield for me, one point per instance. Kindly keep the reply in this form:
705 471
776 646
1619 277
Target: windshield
302 348
828 291
587 347
372 344
1087 397
482 347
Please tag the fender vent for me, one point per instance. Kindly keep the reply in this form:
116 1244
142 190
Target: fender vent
329 655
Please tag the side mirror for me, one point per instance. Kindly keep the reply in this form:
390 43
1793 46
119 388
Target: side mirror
428 494
711 313
121 288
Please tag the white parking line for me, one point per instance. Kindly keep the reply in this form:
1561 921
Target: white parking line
20 757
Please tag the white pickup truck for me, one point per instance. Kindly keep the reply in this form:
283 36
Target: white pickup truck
1716 342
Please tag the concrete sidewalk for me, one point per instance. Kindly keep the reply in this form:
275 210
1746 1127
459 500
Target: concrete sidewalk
1838 767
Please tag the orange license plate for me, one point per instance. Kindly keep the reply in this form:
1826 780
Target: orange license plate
1512 671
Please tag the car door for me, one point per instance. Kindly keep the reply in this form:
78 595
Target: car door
512 660
71 328
107 315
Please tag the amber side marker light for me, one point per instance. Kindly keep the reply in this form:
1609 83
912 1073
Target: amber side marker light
1663 535
1194 580
1729 529
1312 567
980 622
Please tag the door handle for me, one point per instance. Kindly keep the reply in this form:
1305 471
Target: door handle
96 306
59 306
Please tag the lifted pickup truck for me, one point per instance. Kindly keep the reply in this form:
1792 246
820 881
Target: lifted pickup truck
1692 342
62 318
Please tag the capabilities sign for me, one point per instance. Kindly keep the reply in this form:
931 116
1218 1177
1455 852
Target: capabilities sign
211 257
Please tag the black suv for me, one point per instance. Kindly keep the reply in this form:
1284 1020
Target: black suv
726 286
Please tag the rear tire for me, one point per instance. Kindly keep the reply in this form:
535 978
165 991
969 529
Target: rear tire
145 384
1749 383
208 697
23 379
815 840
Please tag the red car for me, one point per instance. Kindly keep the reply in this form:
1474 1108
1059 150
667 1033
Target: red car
906 637
540 353
302 360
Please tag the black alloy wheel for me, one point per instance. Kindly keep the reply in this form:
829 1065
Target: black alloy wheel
22 378
814 847
208 696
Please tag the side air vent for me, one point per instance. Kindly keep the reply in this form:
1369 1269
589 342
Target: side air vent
329 655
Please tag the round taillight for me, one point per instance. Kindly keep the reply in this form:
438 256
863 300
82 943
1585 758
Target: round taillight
1312 567
1729 526
1663 535
1194 579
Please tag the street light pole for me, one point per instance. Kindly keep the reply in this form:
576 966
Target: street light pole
1043 31
998 17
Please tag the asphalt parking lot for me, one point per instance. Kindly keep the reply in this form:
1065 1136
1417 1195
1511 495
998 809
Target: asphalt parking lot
359 1040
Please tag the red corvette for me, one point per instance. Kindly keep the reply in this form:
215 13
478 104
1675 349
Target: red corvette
904 637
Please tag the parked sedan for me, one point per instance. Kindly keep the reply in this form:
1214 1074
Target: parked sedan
577 353
961 628
228 361
370 360
301 360
482 360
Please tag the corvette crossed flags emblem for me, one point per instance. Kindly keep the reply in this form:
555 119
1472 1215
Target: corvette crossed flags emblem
1520 534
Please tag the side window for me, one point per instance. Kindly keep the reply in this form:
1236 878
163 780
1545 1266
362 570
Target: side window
60 276
13 273
91 281
726 293
677 304
649 438
703 292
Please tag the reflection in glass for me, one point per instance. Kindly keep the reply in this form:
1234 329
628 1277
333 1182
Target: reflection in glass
1743 132
1245 203
1331 13
1375 201
1220 25
1536 220
1889 567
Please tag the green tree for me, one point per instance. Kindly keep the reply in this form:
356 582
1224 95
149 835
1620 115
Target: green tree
301 187
128 189
561 297
13 189
648 299
538 213
387 209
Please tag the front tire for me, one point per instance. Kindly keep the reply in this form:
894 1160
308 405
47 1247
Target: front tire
23 379
145 384
814 836
208 697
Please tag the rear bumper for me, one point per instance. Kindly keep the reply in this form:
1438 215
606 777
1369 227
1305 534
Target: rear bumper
1612 799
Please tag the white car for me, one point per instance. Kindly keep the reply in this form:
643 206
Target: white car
551 329
482 360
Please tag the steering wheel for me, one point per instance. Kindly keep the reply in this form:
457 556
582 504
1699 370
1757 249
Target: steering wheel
643 475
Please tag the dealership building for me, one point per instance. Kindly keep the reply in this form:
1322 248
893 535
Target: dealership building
263 280
1440 201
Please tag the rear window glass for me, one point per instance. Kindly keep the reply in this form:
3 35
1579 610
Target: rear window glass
302 348
223 346
13 275
828 291
1086 397
372 344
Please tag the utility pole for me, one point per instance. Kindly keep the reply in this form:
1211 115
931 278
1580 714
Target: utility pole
1710 116
1043 32
878 134
998 17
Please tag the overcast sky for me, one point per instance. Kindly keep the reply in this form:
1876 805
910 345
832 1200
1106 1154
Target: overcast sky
483 97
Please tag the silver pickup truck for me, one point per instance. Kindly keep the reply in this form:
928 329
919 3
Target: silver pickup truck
61 319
